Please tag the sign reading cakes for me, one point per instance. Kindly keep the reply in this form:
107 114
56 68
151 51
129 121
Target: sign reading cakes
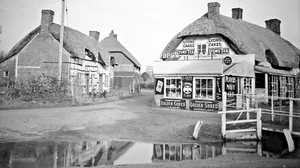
200 105
214 43
215 46
188 47
187 87
173 103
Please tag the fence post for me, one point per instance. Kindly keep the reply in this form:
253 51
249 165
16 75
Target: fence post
224 115
259 124
248 106
291 116
272 108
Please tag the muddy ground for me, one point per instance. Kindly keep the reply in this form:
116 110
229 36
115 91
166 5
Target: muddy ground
132 119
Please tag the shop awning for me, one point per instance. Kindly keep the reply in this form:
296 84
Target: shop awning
191 67
240 69
272 71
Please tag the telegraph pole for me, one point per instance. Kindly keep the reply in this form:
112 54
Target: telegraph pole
61 40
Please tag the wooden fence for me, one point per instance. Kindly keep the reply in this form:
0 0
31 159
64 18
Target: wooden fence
245 107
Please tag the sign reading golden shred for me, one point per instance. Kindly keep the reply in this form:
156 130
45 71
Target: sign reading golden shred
173 103
200 105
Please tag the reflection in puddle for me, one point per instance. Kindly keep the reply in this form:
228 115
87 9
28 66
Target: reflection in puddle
89 153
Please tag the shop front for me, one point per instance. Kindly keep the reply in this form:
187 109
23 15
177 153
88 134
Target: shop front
198 85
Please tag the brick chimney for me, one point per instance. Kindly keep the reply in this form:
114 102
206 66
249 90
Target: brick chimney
46 21
274 25
237 13
213 9
112 34
95 35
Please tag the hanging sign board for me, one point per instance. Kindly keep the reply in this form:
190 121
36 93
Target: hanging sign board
231 88
159 86
187 87
227 60
218 89
203 105
173 103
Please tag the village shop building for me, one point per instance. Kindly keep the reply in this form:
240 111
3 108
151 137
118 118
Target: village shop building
216 54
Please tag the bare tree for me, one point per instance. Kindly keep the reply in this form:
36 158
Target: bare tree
1 52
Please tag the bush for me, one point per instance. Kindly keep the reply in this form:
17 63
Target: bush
36 88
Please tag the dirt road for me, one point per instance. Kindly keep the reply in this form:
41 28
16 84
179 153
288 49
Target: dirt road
130 119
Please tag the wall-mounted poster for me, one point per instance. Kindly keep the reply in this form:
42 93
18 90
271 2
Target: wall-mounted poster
187 87
230 89
218 89
159 86
204 105
173 103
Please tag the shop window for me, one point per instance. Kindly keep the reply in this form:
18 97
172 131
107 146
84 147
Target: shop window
201 49
274 85
5 74
291 87
283 86
204 88
247 86
173 88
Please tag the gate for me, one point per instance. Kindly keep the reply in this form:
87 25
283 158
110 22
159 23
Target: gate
240 122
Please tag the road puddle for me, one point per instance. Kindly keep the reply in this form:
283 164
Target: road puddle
96 153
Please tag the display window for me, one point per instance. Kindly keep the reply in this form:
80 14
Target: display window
173 88
247 85
204 88
291 87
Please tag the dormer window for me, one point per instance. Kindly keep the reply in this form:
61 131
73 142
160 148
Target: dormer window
113 61
100 60
90 54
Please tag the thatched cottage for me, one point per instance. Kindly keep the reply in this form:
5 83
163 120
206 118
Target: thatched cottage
128 67
83 58
217 54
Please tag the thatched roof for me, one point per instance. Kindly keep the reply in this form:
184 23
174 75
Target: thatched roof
243 37
74 42
111 44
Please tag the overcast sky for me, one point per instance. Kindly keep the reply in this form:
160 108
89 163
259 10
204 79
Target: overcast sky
144 27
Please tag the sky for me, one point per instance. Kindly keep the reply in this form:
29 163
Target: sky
144 27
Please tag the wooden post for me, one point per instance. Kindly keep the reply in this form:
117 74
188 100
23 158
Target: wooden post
267 88
164 151
259 124
224 115
248 106
55 156
61 39
272 108
291 116
259 148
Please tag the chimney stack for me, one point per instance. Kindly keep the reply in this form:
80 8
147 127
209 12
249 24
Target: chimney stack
213 9
46 21
95 35
112 34
237 13
274 25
